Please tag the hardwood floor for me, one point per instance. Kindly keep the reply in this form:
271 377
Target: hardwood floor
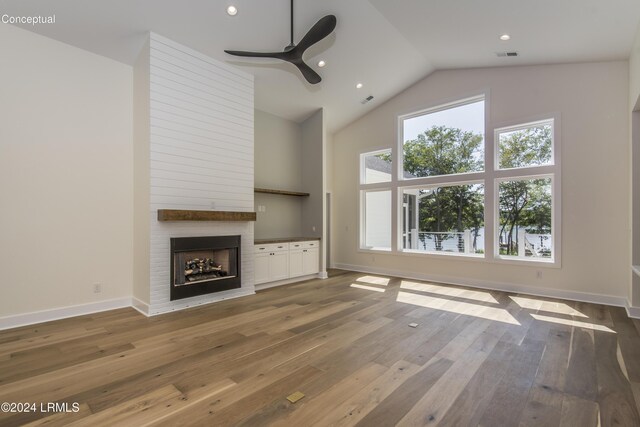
476 358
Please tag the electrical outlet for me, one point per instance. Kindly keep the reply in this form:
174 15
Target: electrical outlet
313 228
97 288
213 205
539 274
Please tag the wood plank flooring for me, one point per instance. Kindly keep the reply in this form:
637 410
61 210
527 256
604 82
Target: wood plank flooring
477 358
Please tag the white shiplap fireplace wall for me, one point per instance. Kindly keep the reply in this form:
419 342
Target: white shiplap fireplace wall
201 146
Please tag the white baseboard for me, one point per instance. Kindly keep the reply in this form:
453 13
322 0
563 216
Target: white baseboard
140 306
25 319
632 311
497 286
323 275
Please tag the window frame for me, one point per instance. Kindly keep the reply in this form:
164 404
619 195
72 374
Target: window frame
402 249
363 166
362 229
376 186
496 207
460 102
438 180
490 177
551 170
504 129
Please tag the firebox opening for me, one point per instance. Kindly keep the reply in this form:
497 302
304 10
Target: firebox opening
193 267
203 265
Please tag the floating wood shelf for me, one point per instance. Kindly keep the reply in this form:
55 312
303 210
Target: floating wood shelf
190 215
282 192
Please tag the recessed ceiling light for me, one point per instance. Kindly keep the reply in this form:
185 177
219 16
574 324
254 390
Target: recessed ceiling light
321 64
359 86
505 37
232 11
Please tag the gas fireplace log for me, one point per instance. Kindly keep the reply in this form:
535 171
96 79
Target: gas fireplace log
206 264
191 271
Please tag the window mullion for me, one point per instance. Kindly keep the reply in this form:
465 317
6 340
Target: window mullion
441 180
526 172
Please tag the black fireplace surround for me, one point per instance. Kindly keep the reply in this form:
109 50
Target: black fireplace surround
204 265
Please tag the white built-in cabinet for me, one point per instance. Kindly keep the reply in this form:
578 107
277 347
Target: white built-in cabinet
279 261
304 258
271 262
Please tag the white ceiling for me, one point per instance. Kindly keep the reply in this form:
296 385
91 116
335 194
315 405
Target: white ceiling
387 45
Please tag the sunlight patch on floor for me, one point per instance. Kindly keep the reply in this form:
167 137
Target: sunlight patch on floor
465 308
374 280
368 288
575 323
550 306
448 291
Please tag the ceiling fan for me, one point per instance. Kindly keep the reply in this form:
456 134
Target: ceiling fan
293 53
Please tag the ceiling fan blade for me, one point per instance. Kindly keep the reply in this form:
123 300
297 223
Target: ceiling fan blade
293 55
320 30
276 55
308 72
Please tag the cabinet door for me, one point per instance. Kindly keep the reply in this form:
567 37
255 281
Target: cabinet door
310 261
262 267
295 263
279 265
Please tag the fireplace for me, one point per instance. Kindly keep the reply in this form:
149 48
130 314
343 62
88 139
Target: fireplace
204 265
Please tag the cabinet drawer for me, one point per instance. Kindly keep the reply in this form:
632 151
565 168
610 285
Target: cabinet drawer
271 247
296 245
304 245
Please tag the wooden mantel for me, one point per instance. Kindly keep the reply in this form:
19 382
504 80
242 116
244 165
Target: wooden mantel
191 215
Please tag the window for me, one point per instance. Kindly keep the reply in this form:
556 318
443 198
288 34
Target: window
444 219
446 189
525 145
376 167
446 141
525 192
525 218
377 220
376 207
446 144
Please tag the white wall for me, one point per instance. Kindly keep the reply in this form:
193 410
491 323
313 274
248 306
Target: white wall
278 165
66 168
593 102
634 71
634 111
328 176
314 181
141 177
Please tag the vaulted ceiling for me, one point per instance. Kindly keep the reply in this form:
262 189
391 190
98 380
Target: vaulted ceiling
386 45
